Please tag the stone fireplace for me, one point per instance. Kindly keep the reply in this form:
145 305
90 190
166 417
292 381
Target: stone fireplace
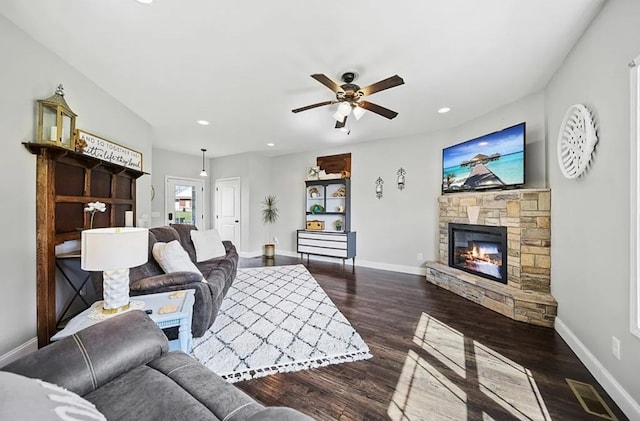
521 289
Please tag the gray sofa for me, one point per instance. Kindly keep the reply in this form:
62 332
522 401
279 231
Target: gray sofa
122 366
150 278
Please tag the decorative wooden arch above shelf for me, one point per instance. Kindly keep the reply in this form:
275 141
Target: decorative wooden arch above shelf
65 182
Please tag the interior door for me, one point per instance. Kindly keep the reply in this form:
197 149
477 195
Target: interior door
184 201
227 209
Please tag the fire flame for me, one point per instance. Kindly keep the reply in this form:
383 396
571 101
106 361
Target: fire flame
479 254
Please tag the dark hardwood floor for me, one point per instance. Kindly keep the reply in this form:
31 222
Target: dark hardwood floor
478 366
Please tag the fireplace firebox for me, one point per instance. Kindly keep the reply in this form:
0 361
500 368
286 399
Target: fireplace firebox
479 249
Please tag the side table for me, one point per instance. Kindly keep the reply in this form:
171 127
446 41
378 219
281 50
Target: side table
180 318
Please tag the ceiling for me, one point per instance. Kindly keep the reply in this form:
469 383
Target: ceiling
244 65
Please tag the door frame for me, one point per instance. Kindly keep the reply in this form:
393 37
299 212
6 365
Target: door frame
204 197
216 201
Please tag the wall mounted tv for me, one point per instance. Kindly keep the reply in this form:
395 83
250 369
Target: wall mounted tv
492 161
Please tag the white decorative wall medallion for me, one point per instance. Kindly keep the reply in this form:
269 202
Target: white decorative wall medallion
576 141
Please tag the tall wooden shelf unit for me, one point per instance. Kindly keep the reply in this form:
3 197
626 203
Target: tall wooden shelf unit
65 182
325 204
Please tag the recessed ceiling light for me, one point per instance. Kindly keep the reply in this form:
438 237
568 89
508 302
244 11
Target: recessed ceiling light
444 110
203 122
271 145
145 1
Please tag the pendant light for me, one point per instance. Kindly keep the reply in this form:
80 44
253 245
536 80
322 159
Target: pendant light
203 173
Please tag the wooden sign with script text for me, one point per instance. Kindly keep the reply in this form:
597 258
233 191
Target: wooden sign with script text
106 150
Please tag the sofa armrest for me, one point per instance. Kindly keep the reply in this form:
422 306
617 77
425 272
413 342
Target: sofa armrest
96 355
154 283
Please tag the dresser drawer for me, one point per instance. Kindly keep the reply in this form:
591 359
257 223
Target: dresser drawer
324 237
322 251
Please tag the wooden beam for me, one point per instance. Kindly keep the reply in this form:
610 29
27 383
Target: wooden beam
45 248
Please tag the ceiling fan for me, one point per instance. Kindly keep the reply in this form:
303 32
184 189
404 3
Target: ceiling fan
349 96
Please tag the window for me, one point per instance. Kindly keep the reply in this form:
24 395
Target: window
635 196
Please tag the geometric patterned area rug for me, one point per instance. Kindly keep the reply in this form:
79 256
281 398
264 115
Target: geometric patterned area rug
276 319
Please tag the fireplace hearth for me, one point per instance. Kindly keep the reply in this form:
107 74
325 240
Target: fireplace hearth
479 249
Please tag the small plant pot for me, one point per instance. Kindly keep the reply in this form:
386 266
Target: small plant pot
269 250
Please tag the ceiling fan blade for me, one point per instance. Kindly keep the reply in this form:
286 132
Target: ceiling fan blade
374 108
308 107
387 83
341 124
327 82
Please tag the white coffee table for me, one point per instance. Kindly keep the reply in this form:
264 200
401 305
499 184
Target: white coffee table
180 318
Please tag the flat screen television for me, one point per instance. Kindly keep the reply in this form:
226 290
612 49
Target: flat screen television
492 161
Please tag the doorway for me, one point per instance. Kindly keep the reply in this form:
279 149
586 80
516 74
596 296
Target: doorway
184 201
227 209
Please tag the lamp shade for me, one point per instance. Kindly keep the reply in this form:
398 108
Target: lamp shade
344 108
104 249
358 112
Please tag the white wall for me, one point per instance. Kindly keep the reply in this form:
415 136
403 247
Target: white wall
169 163
31 72
590 216
392 231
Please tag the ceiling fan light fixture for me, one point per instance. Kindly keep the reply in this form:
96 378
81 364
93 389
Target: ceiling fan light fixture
348 95
344 108
358 112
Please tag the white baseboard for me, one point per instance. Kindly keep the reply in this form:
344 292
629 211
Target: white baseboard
413 270
19 352
250 254
624 400
287 253
259 253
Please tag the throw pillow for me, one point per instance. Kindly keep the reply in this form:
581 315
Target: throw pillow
173 258
22 398
208 245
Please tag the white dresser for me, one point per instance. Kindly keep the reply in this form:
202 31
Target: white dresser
331 244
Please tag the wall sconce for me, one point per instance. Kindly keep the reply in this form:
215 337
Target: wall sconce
203 173
379 183
401 172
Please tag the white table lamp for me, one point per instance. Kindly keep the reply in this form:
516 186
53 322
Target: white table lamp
114 251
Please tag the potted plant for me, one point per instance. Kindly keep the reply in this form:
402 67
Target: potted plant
269 216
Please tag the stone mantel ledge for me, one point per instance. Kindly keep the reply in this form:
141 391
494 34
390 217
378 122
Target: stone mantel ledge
538 308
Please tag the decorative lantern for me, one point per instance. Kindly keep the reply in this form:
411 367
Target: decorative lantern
56 121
